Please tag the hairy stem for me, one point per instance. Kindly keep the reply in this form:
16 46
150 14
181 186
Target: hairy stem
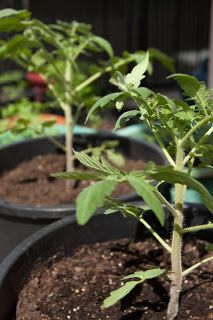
176 259
196 265
68 141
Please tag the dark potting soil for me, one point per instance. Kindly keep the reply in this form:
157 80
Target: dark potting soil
75 286
31 182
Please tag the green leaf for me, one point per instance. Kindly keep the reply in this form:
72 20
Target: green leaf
137 74
79 175
183 116
95 163
91 198
104 44
153 273
173 176
104 101
4 13
146 191
120 293
12 20
14 46
164 59
49 123
116 158
38 58
189 84
126 116
118 80
12 76
20 125
119 105
144 93
145 275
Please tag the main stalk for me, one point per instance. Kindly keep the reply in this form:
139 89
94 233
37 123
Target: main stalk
69 142
176 259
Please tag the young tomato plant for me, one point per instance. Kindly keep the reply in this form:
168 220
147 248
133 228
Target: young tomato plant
176 126
56 52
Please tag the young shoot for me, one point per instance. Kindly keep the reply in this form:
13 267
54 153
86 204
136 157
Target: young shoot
183 130
58 52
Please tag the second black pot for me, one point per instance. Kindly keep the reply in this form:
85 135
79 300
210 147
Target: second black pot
61 236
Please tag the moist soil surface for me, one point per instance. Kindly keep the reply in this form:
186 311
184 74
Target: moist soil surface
31 182
74 287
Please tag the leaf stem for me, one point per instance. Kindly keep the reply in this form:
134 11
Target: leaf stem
196 265
156 235
163 147
57 143
100 73
197 228
157 137
193 129
199 143
166 203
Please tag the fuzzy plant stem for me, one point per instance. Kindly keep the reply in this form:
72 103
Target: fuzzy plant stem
69 142
68 121
176 259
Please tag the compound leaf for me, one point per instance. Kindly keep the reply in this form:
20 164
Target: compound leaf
91 198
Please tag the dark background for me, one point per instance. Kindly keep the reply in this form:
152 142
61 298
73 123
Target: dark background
180 28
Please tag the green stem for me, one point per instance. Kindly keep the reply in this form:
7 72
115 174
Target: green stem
156 235
100 73
176 259
80 49
196 265
57 143
68 141
197 228
51 61
200 142
161 144
193 129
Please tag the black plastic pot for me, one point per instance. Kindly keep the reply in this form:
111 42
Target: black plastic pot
19 221
61 236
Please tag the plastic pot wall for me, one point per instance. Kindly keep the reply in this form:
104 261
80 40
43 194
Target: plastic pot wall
58 238
63 235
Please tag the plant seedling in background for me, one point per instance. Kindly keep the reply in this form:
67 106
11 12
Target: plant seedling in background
176 126
24 117
55 51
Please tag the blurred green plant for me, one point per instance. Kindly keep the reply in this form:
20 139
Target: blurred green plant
56 52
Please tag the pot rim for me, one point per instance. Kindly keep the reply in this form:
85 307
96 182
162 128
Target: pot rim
45 213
